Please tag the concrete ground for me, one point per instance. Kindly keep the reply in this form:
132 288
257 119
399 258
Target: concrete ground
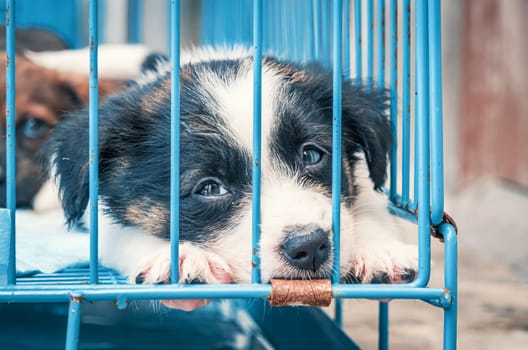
493 280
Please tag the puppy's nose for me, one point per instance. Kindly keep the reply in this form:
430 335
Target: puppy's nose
306 248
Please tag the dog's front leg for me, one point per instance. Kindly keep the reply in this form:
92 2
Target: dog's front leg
379 256
145 259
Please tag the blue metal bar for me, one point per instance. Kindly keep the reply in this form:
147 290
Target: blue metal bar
316 30
370 43
381 43
325 32
11 135
393 66
101 21
421 177
257 100
383 326
175 140
5 246
168 27
346 41
336 137
135 21
451 284
296 30
206 21
74 322
406 102
57 293
435 96
338 318
307 34
93 39
358 39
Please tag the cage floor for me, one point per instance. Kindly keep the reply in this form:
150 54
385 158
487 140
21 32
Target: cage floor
72 275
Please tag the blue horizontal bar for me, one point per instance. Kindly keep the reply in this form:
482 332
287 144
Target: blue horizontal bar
219 291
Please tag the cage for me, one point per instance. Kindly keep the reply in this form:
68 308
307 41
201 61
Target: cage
375 41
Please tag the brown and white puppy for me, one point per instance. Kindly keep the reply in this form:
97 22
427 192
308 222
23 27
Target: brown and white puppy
43 96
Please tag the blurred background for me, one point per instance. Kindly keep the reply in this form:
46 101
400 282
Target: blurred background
485 87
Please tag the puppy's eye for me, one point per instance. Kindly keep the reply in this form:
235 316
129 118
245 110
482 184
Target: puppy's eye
34 128
210 188
312 155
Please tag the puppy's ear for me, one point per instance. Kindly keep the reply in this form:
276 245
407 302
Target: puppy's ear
68 162
154 62
366 126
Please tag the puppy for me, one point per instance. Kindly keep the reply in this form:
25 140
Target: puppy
42 98
216 176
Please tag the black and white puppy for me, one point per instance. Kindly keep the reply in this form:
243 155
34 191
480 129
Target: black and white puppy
216 142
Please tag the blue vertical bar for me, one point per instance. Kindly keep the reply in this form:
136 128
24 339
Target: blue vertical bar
5 246
11 135
336 138
94 136
205 27
370 43
325 33
135 21
168 27
383 326
346 41
257 101
175 140
393 66
338 312
267 27
406 101
306 32
451 283
317 28
103 11
358 39
421 178
435 66
381 43
74 323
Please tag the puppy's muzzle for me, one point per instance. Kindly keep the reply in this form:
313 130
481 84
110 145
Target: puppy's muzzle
306 247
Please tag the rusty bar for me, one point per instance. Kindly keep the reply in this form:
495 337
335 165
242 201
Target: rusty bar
305 292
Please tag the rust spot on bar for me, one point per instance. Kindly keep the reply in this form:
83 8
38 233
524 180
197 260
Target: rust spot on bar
120 303
305 292
77 299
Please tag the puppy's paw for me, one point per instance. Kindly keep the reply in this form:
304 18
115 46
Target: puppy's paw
390 262
196 265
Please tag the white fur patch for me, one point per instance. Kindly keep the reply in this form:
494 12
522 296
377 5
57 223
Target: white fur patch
111 64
